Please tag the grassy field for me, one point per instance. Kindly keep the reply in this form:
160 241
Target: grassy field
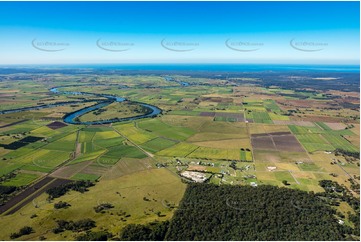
125 194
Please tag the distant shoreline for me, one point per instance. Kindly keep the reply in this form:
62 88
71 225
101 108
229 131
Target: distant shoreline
195 67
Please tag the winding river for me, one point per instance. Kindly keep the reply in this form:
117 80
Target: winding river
73 118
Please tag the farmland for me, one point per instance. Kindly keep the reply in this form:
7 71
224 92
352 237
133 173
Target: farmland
233 129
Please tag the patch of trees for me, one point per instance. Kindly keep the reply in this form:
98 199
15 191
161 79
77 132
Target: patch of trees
354 186
102 207
355 219
347 153
61 204
5 190
94 236
7 176
99 111
155 231
5 193
23 231
211 212
233 165
331 186
80 186
77 226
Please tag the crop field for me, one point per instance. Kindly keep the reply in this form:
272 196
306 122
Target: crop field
323 126
246 155
163 130
216 154
338 141
225 143
157 144
125 151
134 134
180 149
260 117
271 105
20 179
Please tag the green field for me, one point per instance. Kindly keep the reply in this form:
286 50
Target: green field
323 126
157 144
163 130
314 142
21 179
180 149
271 105
81 176
338 141
246 155
125 151
261 117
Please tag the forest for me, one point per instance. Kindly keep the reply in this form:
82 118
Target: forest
212 212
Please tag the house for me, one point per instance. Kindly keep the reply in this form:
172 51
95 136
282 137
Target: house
271 168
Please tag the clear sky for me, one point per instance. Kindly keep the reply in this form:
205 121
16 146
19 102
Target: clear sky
179 32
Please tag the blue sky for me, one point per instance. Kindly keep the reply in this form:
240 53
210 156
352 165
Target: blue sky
179 32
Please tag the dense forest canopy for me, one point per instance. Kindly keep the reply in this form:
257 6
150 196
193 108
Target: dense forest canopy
211 212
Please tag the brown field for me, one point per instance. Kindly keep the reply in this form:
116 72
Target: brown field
30 193
282 141
287 143
56 125
196 168
207 114
127 166
263 143
71 170
94 169
355 140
